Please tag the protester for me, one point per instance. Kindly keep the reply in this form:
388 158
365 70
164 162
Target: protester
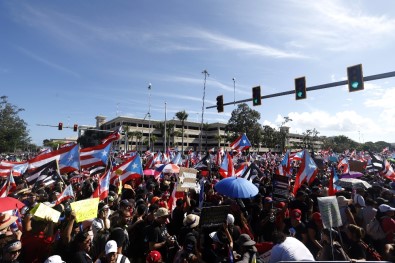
112 255
11 251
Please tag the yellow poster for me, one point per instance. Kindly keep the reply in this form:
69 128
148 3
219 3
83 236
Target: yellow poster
43 211
85 209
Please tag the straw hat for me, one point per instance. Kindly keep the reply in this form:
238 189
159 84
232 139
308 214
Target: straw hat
6 220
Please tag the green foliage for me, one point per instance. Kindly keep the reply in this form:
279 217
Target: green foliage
245 120
13 130
182 116
91 138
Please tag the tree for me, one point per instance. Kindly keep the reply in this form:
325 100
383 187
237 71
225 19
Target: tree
245 120
182 116
91 138
206 127
13 130
139 135
269 137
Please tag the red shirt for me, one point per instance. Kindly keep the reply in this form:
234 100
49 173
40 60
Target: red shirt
388 225
36 248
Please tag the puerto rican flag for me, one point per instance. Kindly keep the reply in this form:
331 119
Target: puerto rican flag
3 189
242 169
227 169
18 168
344 166
97 155
67 157
8 187
131 168
102 189
177 159
240 144
114 136
66 194
333 188
307 171
388 171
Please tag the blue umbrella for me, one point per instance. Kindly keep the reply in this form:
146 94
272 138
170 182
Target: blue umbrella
236 187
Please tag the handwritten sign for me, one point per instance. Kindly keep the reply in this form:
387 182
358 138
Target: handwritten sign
329 210
280 188
187 179
214 215
43 211
85 209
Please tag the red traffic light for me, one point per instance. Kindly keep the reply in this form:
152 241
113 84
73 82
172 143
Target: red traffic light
75 128
60 126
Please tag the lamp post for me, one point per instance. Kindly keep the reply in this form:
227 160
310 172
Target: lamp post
149 116
165 126
234 91
204 95
284 139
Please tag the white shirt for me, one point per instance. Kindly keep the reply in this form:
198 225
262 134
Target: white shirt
118 259
290 250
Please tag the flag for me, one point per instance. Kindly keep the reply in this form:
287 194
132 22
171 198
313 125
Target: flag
96 155
284 168
131 168
240 144
177 159
70 160
241 169
45 174
102 189
201 193
333 188
18 168
11 183
227 169
387 171
67 157
344 166
203 163
306 172
114 136
3 189
66 194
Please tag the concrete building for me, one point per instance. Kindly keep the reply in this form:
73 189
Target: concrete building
137 132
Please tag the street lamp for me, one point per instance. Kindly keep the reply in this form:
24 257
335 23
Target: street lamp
286 119
149 116
204 95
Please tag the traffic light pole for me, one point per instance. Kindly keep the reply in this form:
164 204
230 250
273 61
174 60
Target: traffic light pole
318 87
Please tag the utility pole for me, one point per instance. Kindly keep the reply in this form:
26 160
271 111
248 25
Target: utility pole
206 74
149 116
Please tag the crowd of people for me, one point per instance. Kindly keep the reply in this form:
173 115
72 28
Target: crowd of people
137 222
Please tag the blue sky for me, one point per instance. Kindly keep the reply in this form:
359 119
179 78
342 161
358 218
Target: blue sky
69 61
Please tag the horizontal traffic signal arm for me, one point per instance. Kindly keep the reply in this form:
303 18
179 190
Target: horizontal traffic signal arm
318 87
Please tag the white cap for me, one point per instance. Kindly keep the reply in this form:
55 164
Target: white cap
111 247
385 208
230 219
54 259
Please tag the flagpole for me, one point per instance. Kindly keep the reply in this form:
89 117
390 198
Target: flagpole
206 74
165 126
149 116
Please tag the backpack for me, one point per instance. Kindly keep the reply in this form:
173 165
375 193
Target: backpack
374 230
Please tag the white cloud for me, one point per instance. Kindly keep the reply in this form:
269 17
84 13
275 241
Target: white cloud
385 99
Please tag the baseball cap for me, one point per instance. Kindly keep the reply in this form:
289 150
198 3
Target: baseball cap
230 219
296 214
385 208
153 257
54 259
111 247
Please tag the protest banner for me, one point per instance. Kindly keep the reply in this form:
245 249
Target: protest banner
43 211
85 209
280 188
213 215
357 166
187 179
330 213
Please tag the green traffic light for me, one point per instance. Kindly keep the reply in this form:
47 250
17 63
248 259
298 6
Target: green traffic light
355 84
300 94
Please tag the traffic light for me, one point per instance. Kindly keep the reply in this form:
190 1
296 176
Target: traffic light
75 127
300 88
256 96
220 103
355 78
60 126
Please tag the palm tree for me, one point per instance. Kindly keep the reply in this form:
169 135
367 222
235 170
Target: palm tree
182 116
130 134
139 135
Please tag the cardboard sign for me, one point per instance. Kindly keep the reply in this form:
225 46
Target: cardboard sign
187 179
280 188
214 215
357 166
330 213
45 212
85 209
